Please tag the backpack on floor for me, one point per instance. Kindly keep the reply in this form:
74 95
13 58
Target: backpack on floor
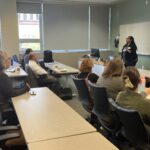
63 93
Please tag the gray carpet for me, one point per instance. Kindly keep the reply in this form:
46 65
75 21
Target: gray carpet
74 102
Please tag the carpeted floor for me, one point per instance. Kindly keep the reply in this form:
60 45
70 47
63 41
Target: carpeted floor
74 102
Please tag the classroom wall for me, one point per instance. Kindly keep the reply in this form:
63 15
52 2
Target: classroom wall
9 29
128 12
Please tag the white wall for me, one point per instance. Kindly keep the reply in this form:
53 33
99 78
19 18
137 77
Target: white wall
9 27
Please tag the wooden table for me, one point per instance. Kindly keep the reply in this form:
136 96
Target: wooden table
89 141
12 73
61 69
45 116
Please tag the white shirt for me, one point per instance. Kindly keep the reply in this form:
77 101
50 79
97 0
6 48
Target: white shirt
36 68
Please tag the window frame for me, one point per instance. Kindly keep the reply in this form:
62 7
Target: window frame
40 41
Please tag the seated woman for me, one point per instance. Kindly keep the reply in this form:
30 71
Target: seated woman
6 89
26 55
6 92
86 71
130 98
111 78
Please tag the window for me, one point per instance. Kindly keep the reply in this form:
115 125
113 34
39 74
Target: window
29 31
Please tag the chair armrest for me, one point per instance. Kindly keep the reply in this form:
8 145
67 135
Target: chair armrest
6 128
9 136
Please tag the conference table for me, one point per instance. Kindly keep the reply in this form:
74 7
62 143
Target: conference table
14 72
87 141
61 69
45 116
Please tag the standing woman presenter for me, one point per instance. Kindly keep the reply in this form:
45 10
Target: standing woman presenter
129 54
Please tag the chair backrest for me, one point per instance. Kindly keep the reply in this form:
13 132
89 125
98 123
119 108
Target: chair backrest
48 56
101 104
15 58
107 117
31 78
83 92
42 64
133 125
26 59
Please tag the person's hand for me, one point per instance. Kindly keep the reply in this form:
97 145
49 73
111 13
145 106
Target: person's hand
129 51
147 91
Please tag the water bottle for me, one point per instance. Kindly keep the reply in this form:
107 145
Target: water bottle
142 85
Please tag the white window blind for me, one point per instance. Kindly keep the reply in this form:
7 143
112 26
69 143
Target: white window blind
65 26
99 26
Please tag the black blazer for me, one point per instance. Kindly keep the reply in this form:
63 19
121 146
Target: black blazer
129 56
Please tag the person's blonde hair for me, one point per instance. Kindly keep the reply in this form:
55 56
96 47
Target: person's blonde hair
2 61
3 58
114 68
131 78
86 65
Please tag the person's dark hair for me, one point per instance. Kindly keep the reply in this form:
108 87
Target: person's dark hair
28 51
131 38
131 78
114 68
132 41
3 60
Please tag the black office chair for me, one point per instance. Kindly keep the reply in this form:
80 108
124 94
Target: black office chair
84 93
4 128
41 63
86 100
31 78
133 127
107 117
48 56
